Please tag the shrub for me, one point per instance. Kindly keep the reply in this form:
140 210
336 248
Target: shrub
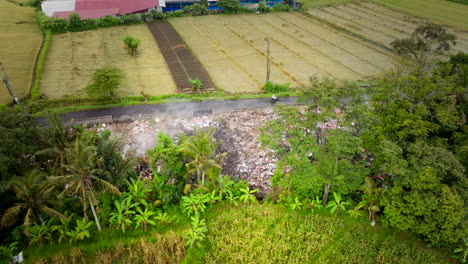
89 24
196 84
263 7
132 44
271 87
177 13
130 19
58 25
280 8
106 80
158 15
230 6
74 22
108 21
196 9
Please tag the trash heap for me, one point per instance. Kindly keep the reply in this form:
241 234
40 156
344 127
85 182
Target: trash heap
238 133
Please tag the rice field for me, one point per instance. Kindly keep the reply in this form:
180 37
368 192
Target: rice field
73 57
233 50
20 41
379 23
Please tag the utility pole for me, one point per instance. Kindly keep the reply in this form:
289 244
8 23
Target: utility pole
268 60
7 82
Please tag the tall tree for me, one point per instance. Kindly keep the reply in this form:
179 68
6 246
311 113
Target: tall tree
83 178
321 144
201 149
427 43
34 197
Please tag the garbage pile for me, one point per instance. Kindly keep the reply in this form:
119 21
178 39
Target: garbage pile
238 133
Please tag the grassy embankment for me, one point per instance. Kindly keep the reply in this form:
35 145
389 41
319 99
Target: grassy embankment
20 41
249 234
439 11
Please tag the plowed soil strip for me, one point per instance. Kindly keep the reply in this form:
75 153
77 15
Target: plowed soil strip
182 64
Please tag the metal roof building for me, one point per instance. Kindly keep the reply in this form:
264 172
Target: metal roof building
98 8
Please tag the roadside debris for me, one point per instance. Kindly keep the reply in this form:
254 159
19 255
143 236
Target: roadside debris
237 131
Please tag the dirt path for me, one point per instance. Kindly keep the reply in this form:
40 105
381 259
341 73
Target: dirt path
182 64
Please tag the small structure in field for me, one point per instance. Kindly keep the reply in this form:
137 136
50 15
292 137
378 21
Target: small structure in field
89 9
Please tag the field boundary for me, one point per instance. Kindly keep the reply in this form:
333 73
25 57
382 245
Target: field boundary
39 64
373 43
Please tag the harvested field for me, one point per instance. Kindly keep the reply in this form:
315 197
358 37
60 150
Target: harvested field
20 41
73 57
233 50
379 23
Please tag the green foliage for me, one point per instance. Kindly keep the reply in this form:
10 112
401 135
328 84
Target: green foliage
201 149
427 42
297 205
177 13
161 16
82 230
40 64
196 84
8 251
34 196
74 22
230 6
130 19
40 234
197 232
18 133
425 207
264 8
108 21
337 204
132 44
270 87
247 195
281 8
122 219
57 25
195 204
143 218
106 81
196 9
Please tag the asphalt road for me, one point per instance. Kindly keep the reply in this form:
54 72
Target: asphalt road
185 109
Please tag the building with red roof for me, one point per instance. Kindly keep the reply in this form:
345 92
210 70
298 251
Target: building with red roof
88 9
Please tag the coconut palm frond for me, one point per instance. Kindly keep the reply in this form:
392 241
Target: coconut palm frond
52 213
108 187
10 216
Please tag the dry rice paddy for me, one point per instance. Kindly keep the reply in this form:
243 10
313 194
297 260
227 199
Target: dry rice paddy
233 50
73 57
20 41
379 23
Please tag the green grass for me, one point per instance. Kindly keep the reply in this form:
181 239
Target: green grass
40 107
439 11
40 65
248 234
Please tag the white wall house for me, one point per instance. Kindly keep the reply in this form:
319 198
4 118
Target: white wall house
49 7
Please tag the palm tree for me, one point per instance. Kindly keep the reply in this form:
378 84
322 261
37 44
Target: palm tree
82 165
201 148
115 169
371 198
34 196
56 137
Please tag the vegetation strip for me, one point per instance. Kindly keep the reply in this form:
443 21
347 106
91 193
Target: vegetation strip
35 92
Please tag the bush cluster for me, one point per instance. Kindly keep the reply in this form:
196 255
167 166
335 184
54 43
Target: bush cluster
74 23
